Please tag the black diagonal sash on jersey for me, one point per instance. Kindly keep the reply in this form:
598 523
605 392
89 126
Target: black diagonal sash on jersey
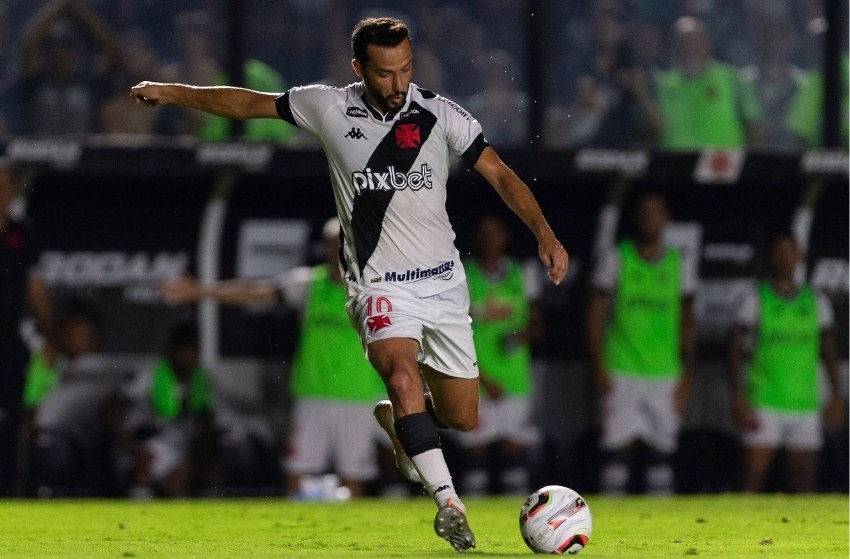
367 216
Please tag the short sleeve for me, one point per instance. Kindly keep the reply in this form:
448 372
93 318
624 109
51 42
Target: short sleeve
606 271
293 286
745 310
826 316
305 106
463 132
690 282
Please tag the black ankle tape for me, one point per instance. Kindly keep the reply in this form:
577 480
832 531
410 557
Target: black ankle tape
417 433
429 407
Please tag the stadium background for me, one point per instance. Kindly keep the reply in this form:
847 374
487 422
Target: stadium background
118 213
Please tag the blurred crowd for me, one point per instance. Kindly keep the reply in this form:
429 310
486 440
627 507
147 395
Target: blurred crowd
676 75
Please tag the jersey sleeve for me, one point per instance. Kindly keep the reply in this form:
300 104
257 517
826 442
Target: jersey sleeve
826 316
689 274
304 106
463 132
745 310
606 271
293 286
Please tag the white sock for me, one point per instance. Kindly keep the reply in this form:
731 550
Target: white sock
435 476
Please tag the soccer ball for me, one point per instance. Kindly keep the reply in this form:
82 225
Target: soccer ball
555 519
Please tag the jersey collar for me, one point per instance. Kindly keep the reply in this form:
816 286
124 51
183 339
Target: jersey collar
391 114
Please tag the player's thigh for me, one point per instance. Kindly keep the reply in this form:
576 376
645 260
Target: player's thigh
310 444
660 404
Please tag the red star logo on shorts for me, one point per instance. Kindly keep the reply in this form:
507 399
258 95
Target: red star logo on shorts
407 136
377 322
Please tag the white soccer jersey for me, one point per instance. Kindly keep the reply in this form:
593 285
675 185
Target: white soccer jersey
389 178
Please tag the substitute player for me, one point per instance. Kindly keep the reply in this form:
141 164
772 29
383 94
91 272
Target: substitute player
333 387
781 331
388 144
641 333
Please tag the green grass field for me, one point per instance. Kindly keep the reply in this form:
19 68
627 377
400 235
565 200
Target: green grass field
706 526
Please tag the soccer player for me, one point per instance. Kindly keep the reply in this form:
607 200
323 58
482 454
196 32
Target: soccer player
388 143
641 334
497 450
780 333
334 388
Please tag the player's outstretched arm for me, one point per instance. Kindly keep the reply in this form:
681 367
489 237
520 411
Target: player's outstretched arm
229 102
519 198
186 289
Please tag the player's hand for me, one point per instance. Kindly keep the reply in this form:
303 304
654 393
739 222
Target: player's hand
149 94
742 414
184 289
555 258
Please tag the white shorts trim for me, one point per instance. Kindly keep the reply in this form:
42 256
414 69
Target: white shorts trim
440 323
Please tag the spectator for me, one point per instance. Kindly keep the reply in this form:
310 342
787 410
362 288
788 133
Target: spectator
776 82
501 105
705 103
138 58
58 94
195 62
781 331
64 436
611 103
180 455
805 115
260 77
198 64
498 450
641 332
21 290
334 390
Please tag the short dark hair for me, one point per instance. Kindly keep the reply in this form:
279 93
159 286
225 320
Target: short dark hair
382 31
182 335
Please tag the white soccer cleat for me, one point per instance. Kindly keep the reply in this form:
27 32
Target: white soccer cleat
451 525
383 413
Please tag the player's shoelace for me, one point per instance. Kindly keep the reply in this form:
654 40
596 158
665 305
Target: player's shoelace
383 413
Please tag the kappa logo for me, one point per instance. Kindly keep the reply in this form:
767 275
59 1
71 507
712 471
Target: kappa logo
356 134
407 136
377 322
356 112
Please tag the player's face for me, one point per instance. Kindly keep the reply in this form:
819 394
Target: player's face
387 74
784 257
651 217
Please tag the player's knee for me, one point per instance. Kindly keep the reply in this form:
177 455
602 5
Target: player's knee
402 383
